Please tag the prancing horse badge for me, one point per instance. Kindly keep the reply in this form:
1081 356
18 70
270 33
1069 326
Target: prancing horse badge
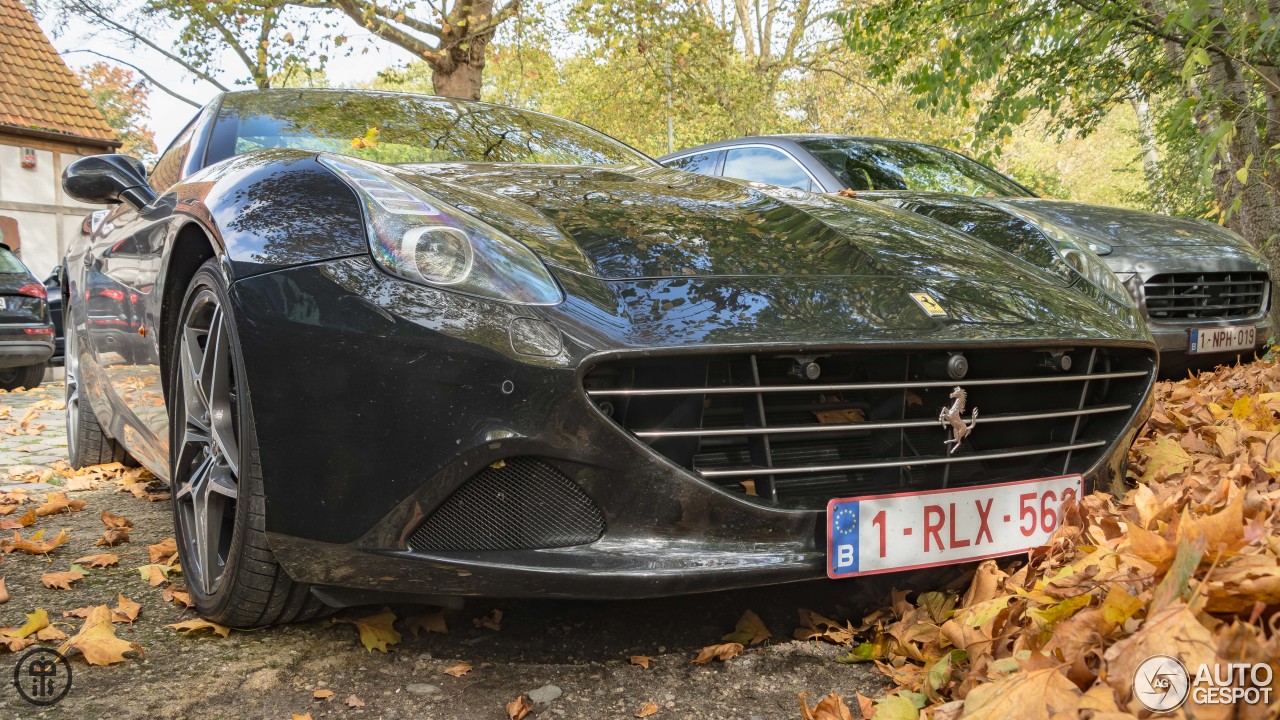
929 304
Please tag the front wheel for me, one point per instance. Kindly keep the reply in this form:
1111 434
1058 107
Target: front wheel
218 502
28 377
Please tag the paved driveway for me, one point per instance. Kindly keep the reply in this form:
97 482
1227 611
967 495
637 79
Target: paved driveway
573 656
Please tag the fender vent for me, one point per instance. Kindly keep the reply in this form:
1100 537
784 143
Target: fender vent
524 505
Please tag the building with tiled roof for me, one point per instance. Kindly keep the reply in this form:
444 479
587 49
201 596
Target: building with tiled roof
47 120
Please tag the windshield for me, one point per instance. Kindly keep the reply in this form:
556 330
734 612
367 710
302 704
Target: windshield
401 128
879 165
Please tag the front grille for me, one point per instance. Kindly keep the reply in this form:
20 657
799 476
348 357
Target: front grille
516 504
1174 296
754 425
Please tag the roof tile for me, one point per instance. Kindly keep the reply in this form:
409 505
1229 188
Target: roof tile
39 91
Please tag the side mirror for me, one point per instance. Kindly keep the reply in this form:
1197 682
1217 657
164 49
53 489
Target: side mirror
108 179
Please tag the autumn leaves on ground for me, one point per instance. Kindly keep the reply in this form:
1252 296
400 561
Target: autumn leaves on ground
1186 564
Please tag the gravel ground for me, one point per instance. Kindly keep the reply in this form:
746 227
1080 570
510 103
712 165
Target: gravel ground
572 654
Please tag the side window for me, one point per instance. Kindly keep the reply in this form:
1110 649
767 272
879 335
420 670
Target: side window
704 163
766 165
168 169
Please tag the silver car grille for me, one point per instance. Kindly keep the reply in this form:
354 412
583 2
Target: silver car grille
1205 295
754 425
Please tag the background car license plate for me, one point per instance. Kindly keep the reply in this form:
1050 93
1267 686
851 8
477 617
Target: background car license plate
1221 339
883 533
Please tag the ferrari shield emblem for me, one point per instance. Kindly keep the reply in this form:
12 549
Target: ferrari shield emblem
929 304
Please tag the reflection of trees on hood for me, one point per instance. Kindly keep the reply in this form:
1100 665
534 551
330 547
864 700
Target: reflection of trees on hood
715 309
291 214
410 128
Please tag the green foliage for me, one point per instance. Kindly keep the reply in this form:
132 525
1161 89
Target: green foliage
1208 64
254 32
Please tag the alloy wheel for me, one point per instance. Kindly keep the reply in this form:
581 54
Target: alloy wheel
207 467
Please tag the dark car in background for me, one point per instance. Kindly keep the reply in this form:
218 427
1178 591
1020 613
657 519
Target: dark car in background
53 295
26 334
1204 291
422 348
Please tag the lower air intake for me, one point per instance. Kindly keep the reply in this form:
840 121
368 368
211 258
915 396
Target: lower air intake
523 505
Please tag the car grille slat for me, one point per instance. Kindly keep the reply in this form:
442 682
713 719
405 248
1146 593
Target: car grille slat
1192 296
868 426
754 426
912 462
854 386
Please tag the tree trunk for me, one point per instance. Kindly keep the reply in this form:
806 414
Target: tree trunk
462 80
1150 153
1258 215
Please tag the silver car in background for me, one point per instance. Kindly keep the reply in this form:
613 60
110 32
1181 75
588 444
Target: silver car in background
1204 290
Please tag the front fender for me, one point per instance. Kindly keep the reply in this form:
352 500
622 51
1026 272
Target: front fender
271 209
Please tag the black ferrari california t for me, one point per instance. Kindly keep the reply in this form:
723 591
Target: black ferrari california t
388 346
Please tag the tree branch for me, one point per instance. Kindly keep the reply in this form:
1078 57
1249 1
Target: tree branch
137 36
504 13
143 73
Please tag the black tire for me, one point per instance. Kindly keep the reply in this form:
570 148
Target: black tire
28 377
87 443
250 588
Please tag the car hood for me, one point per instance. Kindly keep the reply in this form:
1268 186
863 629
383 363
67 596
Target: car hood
1124 227
652 242
652 222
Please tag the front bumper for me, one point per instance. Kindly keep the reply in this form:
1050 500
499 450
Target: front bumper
1139 266
409 393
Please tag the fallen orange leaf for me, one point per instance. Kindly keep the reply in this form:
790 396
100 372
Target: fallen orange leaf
179 595
749 631
519 708
377 631
492 621
97 640
191 627
830 707
26 520
125 610
112 521
33 545
426 623
60 580
98 561
723 652
162 550
113 536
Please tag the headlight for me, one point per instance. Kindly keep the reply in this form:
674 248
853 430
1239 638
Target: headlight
1088 266
1081 257
420 238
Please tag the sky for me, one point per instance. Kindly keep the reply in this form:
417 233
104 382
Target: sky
365 58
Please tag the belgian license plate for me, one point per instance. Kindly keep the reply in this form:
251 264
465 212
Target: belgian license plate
1222 339
885 533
